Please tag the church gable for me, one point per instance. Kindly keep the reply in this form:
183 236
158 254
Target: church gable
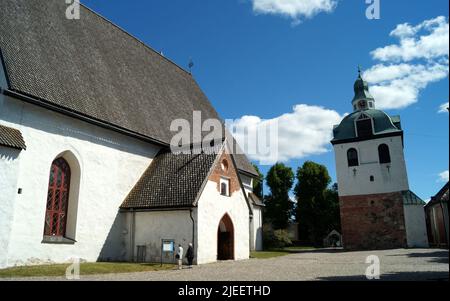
224 172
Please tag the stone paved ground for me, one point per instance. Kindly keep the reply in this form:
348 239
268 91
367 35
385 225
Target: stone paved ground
400 264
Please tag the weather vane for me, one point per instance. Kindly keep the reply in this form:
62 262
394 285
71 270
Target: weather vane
191 64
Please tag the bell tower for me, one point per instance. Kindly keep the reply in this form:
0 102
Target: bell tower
378 210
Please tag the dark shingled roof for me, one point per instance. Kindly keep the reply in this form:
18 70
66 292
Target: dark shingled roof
255 200
171 181
239 156
94 68
383 124
11 138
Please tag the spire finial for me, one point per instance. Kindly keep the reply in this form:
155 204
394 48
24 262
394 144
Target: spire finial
359 71
191 64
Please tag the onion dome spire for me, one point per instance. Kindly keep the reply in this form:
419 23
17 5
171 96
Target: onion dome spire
362 99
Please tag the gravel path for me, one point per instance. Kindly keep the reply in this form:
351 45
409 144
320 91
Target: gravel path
400 264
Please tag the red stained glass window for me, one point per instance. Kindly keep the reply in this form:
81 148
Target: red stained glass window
57 198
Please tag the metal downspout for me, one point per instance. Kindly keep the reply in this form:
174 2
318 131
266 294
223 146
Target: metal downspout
193 227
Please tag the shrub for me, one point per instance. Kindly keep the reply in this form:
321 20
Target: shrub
276 239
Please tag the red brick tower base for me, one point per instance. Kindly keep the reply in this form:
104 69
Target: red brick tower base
374 221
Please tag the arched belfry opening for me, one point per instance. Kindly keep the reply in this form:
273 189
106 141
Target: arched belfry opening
225 239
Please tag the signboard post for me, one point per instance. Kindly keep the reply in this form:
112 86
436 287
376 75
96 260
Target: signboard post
167 249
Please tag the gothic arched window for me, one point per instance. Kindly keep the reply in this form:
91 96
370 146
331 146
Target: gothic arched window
384 154
57 199
352 157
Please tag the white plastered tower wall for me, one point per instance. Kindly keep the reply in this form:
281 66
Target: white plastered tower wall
355 180
106 160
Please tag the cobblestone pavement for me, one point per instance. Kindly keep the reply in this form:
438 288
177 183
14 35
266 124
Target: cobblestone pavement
400 264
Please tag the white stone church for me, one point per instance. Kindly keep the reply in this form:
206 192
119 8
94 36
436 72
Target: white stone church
86 169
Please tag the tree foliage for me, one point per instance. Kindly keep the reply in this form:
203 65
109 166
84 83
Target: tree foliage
258 184
317 209
279 206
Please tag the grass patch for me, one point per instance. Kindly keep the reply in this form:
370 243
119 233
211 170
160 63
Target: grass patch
299 248
85 269
268 254
278 252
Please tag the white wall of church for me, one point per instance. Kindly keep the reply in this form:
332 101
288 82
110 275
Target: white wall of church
257 229
211 208
256 235
416 229
110 164
9 168
152 226
387 177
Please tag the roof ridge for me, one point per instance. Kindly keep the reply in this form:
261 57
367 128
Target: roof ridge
135 38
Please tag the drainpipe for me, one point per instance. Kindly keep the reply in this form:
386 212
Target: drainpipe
251 234
132 233
193 227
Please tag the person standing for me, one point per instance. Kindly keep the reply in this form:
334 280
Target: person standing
190 255
179 256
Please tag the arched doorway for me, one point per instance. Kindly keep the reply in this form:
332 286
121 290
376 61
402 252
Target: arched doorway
225 239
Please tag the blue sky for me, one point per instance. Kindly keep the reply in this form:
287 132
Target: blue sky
261 58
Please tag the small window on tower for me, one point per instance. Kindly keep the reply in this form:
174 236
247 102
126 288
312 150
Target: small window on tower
384 154
352 157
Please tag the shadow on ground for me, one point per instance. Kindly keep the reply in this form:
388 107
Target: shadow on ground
439 256
399 276
299 251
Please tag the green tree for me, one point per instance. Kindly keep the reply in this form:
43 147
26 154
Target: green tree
279 207
317 206
332 198
258 184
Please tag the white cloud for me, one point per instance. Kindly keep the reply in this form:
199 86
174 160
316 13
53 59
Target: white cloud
433 44
443 108
420 58
398 86
294 9
305 131
443 176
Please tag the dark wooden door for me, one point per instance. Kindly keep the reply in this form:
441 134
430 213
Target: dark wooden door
224 246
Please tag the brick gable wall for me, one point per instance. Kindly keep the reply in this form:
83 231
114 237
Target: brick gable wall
230 173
